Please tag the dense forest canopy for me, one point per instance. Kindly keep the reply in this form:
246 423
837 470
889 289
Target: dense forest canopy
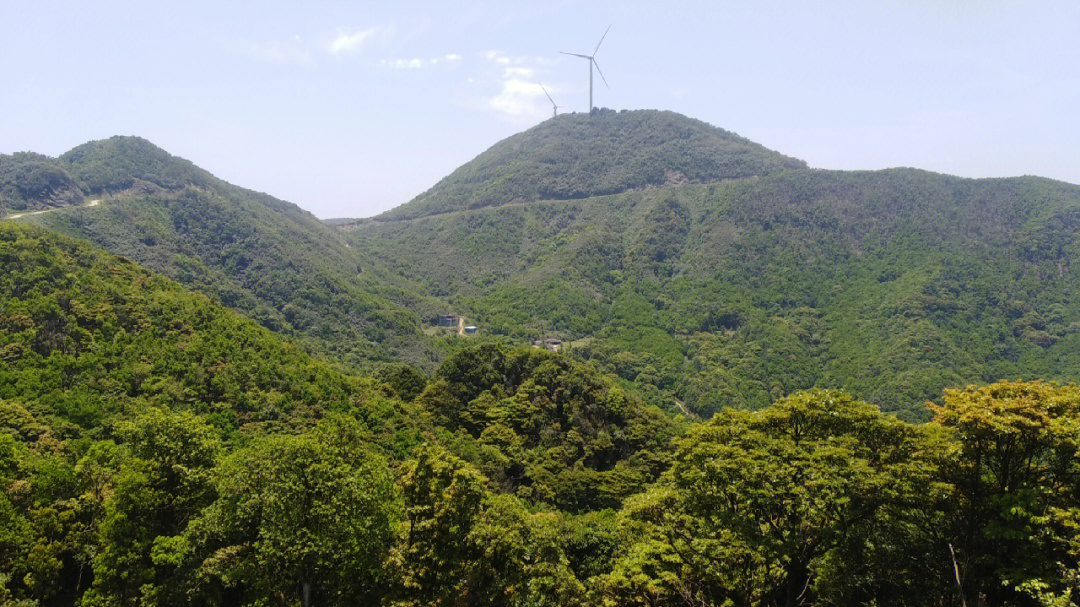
32 182
775 386
749 277
891 284
268 258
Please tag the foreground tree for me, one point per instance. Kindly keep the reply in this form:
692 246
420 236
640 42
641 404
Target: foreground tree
299 519
784 506
1016 533
162 483
461 546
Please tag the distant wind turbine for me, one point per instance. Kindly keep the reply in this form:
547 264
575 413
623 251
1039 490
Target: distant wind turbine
592 61
555 108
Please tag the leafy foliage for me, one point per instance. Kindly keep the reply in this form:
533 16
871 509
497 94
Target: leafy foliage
156 448
758 508
32 182
462 547
309 517
891 284
546 429
1018 484
85 336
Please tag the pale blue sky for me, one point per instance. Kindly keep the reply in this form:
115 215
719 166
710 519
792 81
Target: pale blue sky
351 108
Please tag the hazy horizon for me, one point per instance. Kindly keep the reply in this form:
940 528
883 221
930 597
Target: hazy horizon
349 110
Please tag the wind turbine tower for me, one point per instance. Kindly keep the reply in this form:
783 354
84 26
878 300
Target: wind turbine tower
592 62
555 108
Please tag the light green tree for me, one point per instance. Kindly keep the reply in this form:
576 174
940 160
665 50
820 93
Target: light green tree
1016 530
763 508
162 483
303 519
461 546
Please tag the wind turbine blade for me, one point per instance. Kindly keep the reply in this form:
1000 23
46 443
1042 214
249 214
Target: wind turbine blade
575 55
599 72
548 95
601 40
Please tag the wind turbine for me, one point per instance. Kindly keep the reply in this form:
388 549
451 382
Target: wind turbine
592 61
555 108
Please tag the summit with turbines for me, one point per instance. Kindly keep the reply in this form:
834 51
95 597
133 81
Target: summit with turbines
554 106
592 62
614 358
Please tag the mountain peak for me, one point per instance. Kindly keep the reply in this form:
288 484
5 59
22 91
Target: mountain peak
604 152
116 163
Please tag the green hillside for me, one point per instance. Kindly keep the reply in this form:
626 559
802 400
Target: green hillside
743 278
32 182
159 448
87 337
892 284
265 257
546 428
581 155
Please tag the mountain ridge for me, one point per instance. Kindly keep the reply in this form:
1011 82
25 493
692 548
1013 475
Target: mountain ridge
715 291
271 259
566 157
738 292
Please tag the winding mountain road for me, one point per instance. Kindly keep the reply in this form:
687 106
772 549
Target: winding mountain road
91 203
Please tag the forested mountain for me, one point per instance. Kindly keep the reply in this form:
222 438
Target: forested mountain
87 337
733 292
268 258
582 155
143 429
160 448
701 269
32 182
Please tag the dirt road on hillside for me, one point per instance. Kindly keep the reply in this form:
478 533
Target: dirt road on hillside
92 203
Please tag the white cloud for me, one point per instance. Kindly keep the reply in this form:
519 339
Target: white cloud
519 99
345 42
497 57
416 62
403 64
298 50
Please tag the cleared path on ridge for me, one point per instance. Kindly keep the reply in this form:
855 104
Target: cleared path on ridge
92 203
